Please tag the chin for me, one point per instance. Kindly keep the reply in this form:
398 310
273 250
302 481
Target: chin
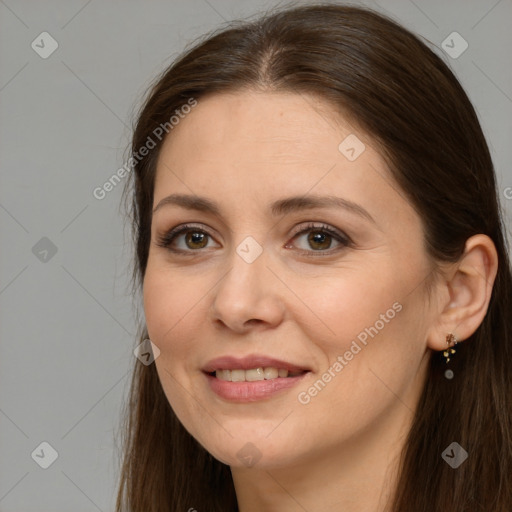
248 454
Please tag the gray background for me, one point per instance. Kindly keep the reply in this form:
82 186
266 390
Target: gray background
68 324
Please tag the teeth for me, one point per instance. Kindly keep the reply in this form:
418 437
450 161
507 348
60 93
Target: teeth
271 373
254 374
237 375
223 374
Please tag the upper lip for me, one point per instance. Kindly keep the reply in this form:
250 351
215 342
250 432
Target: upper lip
248 362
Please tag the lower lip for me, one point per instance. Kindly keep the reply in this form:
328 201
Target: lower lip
251 391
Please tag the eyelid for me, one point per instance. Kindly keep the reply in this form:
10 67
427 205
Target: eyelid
320 226
167 237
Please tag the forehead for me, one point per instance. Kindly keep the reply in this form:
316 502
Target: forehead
262 117
256 130
248 149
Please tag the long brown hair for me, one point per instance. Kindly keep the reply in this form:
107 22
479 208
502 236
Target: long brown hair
409 102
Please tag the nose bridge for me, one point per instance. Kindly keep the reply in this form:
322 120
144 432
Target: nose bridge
247 291
249 249
247 267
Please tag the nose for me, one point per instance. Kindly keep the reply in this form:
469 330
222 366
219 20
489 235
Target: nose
248 295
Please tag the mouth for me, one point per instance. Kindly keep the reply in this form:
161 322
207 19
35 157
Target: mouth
252 368
255 374
252 378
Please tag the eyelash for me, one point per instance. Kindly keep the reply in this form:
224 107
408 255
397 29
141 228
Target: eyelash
165 240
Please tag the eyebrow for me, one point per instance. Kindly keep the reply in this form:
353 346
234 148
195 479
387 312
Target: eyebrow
279 207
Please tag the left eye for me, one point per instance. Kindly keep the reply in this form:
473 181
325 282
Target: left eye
319 239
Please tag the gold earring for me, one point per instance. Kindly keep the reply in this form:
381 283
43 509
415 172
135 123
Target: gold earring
450 338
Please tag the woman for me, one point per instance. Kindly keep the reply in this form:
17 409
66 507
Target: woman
325 278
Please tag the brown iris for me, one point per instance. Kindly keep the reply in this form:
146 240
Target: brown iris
195 237
317 237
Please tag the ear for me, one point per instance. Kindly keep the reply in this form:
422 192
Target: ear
466 291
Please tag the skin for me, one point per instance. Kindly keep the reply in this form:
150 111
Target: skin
244 151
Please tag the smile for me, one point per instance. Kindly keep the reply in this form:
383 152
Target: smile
255 374
251 378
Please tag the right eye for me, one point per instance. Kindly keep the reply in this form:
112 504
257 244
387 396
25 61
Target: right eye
193 240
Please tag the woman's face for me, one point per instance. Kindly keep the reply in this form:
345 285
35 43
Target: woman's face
259 275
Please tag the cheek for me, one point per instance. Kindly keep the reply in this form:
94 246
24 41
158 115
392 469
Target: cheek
343 307
368 320
157 300
167 305
170 310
